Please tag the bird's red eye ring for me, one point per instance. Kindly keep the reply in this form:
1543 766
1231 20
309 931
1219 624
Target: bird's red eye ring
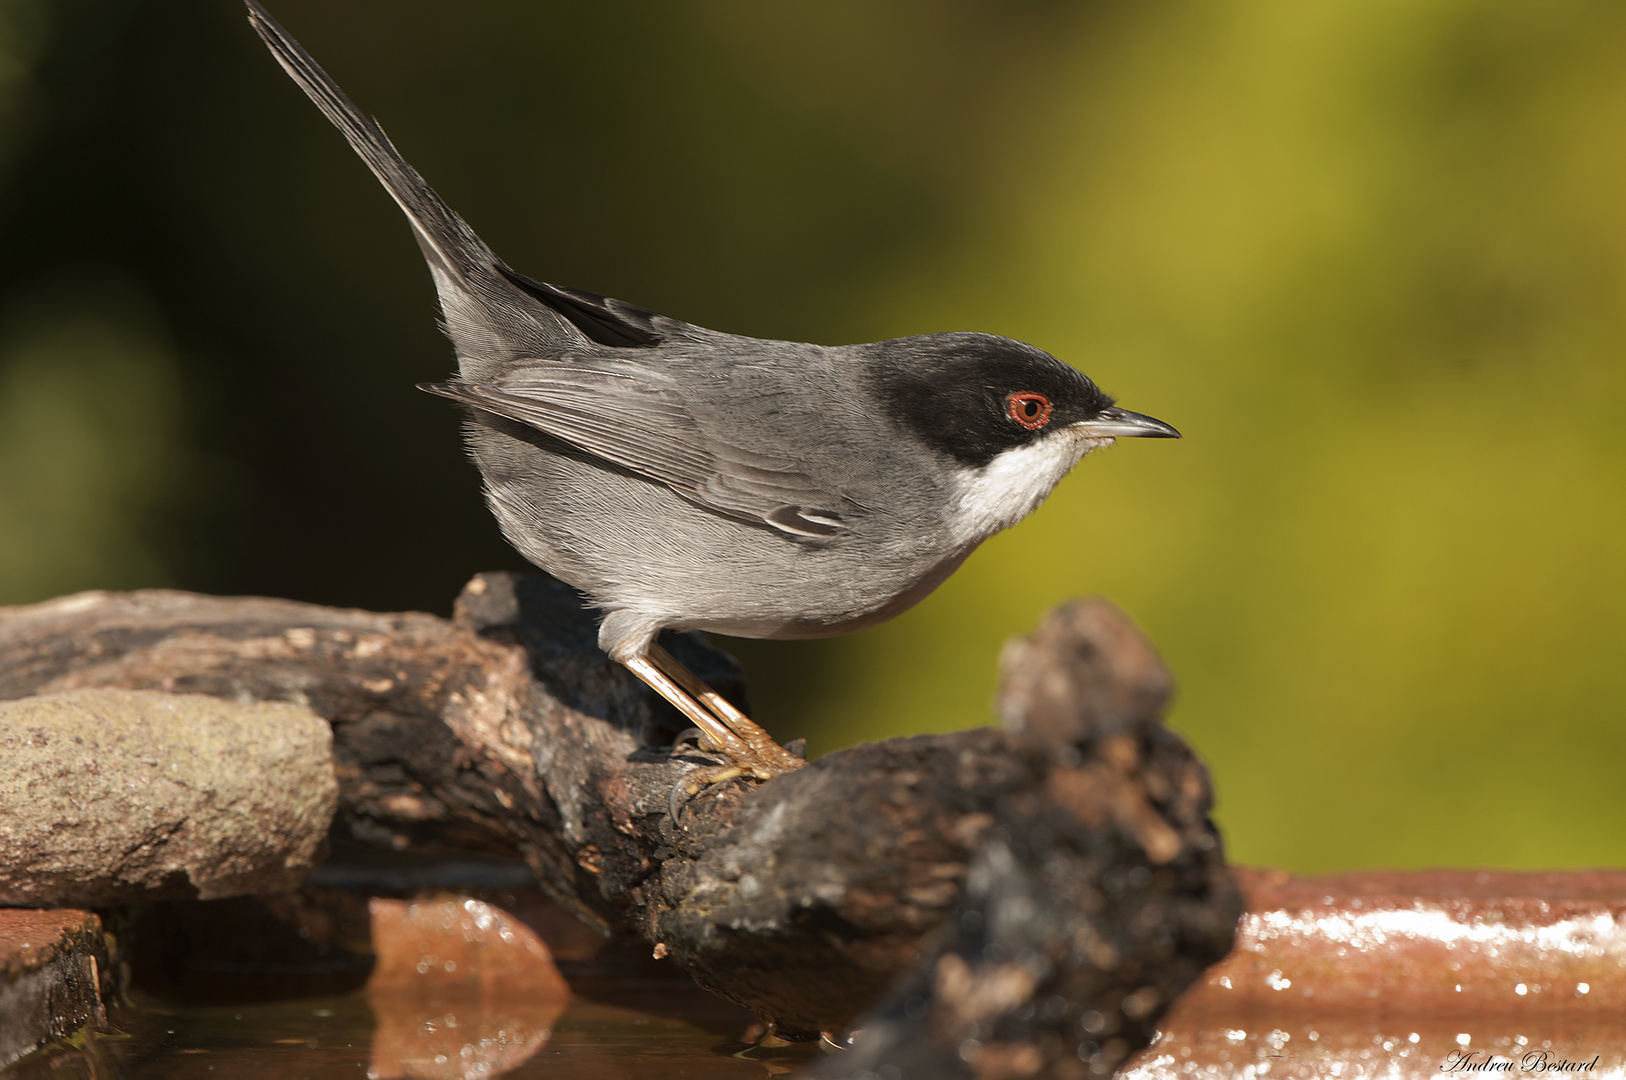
1030 410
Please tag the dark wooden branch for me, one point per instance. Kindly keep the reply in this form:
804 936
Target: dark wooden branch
804 898
1099 895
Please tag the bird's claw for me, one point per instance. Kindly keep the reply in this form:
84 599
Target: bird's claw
694 735
700 778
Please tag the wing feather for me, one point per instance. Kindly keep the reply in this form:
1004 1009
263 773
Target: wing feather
637 419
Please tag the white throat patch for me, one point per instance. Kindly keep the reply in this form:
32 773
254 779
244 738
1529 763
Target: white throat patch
1010 487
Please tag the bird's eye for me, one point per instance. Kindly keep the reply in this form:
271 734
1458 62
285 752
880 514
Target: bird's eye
1030 410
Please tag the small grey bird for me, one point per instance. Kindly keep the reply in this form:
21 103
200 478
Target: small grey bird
687 479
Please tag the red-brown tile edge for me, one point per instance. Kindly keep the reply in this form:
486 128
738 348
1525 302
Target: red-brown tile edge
1435 941
52 967
31 938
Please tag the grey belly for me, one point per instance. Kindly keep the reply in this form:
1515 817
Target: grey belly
632 544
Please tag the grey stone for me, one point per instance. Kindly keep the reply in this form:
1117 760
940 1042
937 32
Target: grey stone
118 796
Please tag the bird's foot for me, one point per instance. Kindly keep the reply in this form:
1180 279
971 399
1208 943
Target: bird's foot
737 762
695 782
767 754
734 766
723 731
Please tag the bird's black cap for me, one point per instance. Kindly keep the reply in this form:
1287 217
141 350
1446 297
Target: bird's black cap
974 396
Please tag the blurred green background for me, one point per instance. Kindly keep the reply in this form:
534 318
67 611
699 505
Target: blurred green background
1370 257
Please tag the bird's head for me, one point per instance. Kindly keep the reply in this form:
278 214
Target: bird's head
1010 420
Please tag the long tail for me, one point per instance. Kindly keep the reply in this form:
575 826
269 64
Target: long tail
479 294
450 245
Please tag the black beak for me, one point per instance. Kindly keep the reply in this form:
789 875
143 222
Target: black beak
1116 423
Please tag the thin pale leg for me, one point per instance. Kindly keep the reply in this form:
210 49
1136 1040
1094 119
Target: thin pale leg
716 732
761 743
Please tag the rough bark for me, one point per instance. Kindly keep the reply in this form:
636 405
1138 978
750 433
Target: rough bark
118 796
1099 895
804 898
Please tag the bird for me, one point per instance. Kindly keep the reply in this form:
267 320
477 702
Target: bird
687 479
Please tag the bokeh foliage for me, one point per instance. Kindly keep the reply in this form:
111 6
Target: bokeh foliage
1370 257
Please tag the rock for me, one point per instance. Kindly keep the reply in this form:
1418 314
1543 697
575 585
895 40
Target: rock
444 945
51 968
115 796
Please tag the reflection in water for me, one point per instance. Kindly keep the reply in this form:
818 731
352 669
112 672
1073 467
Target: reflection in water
658 1030
461 990
456 987
441 1038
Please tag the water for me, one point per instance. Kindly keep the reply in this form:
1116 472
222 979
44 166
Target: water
624 1031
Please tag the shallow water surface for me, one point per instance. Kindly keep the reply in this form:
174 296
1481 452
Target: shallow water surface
654 1030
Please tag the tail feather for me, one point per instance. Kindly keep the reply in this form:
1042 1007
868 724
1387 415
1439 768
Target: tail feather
449 244
489 309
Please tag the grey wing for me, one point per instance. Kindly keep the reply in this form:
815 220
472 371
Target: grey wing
636 420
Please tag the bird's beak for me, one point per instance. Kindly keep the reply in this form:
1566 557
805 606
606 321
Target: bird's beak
1116 423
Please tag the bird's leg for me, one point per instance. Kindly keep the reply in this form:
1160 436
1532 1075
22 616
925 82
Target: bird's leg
751 752
716 735
761 743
